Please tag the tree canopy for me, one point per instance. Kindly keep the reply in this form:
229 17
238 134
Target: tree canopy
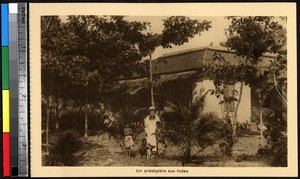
96 51
84 57
253 36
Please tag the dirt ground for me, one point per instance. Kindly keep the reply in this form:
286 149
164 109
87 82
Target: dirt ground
103 151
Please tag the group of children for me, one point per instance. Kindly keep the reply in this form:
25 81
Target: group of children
147 148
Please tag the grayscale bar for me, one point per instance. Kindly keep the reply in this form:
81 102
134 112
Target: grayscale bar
13 86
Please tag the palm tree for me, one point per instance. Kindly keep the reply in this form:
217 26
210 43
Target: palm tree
190 125
63 148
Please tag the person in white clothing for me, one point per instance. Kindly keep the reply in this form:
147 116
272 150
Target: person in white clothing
150 128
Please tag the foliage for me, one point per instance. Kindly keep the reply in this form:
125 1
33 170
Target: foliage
277 154
208 127
132 116
253 36
228 73
275 127
189 125
184 92
277 140
228 142
69 114
96 51
81 55
243 126
280 152
275 78
255 114
250 37
63 147
183 28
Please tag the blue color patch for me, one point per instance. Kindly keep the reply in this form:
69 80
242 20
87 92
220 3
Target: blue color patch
4 24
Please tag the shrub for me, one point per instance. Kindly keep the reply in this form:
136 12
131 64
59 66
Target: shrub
208 128
280 152
62 149
277 149
188 126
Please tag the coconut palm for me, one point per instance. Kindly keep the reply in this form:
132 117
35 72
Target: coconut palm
190 125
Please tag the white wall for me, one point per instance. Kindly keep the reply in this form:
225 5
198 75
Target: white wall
212 102
244 111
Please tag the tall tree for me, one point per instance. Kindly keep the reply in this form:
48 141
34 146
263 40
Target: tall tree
177 31
251 37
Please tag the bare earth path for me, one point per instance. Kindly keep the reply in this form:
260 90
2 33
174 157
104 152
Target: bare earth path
102 151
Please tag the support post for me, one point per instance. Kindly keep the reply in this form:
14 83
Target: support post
151 80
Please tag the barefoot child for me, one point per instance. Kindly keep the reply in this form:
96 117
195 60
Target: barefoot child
128 140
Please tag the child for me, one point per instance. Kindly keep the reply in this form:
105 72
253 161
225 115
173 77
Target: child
150 152
128 140
143 148
160 138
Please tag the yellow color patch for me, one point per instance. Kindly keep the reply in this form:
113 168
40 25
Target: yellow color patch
5 105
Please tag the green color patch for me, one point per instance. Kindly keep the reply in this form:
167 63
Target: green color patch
5 68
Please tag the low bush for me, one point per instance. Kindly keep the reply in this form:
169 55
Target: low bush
280 152
62 149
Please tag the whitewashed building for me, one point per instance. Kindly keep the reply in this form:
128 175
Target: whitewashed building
191 60
180 65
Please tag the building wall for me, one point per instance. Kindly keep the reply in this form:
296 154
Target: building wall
212 102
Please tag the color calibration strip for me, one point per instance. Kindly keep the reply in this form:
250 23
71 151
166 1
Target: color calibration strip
14 89
5 89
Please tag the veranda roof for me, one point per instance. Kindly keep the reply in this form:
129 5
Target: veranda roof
133 86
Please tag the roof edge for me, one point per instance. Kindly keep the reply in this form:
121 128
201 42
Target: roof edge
216 48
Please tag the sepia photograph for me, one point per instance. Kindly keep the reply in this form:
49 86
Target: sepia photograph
113 96
144 92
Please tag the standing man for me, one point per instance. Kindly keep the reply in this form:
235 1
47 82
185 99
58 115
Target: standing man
150 128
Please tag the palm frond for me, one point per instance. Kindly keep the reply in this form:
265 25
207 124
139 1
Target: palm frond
138 111
172 106
208 128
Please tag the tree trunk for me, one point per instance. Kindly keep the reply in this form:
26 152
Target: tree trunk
222 111
282 96
86 112
57 115
260 119
86 123
186 157
47 129
235 112
151 81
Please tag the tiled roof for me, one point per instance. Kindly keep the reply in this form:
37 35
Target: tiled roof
192 59
179 62
183 64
